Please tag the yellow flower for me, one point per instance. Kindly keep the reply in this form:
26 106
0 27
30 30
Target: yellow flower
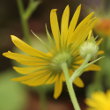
99 101
45 68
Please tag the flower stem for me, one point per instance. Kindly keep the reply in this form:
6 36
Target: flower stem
80 70
24 21
70 87
25 14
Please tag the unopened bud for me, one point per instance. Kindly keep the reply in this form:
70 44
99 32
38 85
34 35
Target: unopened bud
88 47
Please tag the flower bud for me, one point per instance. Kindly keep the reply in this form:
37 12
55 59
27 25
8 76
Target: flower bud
88 47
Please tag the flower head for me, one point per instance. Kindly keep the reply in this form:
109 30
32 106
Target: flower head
99 101
45 68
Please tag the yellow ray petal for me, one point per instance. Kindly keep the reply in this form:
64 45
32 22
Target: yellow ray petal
90 34
58 87
90 102
27 70
108 95
25 60
76 67
17 56
78 82
55 27
93 67
77 34
79 61
52 79
64 25
31 76
23 78
100 52
74 21
83 33
38 80
26 48
83 22
99 41
35 64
